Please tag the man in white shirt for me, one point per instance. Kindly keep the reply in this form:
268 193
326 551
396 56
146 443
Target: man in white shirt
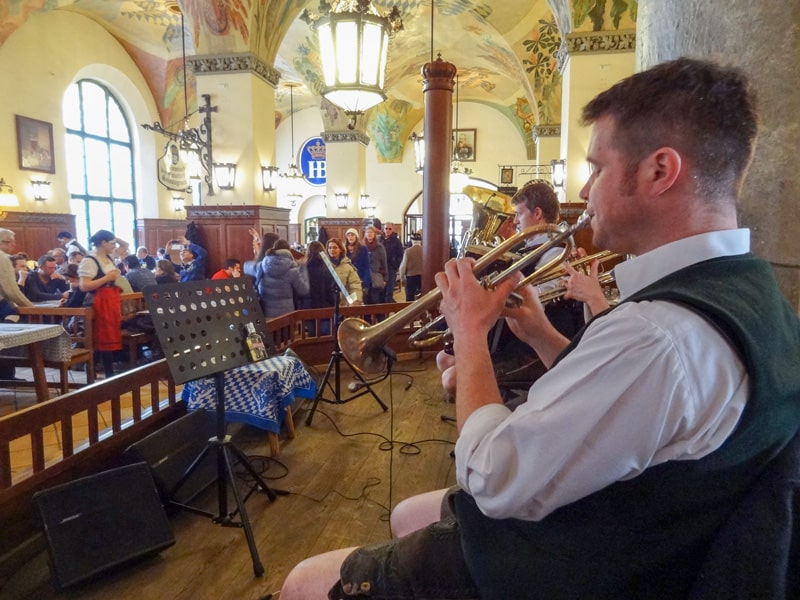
652 425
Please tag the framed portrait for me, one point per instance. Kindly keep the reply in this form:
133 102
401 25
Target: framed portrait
506 175
35 145
464 145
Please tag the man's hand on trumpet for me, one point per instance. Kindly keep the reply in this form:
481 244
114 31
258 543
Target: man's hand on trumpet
585 288
470 310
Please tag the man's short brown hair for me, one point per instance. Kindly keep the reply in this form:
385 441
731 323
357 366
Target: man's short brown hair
538 194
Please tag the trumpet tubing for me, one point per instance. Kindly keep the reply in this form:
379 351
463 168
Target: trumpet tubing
363 344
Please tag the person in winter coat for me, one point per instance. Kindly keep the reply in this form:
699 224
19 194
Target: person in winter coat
379 271
345 270
279 280
359 257
322 291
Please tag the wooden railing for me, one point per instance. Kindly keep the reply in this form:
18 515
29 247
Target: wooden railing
104 445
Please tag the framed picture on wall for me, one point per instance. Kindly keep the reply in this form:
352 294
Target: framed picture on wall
35 145
506 175
464 145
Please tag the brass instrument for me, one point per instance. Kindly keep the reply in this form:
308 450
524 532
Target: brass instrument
604 278
362 344
490 212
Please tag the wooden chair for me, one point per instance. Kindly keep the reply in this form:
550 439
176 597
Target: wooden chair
78 323
133 305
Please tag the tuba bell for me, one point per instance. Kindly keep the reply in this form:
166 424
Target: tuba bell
492 212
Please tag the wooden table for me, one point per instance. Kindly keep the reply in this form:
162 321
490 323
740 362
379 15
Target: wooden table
33 337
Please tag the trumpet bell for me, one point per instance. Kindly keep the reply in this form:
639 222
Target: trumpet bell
357 346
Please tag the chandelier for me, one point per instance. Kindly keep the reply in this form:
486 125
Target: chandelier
354 46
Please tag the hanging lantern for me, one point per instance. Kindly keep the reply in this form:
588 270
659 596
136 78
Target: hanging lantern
354 46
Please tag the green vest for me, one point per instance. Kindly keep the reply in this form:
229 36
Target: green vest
646 537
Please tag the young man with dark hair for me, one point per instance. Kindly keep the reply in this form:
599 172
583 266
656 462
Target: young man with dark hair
44 286
232 268
651 427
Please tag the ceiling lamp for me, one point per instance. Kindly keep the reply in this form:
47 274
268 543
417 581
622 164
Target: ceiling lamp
7 195
354 45
419 151
293 173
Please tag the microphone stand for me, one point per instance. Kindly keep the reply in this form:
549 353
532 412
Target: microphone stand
334 367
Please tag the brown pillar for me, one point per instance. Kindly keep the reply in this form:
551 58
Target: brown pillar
438 82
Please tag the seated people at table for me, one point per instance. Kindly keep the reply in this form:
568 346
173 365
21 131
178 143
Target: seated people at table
45 284
137 276
346 271
76 296
232 268
60 255
193 261
145 260
165 271
649 430
21 269
280 280
75 257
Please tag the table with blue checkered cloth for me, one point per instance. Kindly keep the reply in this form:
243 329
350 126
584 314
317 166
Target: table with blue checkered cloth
257 393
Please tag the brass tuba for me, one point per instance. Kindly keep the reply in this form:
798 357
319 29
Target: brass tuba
363 344
490 212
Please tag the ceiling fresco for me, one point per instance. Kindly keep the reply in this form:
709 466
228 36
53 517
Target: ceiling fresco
504 50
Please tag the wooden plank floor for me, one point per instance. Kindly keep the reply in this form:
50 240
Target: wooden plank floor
342 474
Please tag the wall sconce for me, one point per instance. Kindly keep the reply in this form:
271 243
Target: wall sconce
419 151
559 172
225 174
41 190
342 199
7 195
178 203
363 201
269 178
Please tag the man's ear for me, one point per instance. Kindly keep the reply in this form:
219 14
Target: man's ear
661 170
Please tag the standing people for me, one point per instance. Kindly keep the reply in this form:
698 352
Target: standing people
360 259
261 245
66 239
411 267
193 261
11 295
378 269
651 428
321 287
394 256
98 276
281 281
345 270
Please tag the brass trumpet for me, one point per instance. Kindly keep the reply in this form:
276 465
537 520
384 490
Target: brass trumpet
362 343
582 264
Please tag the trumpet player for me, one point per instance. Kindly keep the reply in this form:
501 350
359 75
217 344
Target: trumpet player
648 431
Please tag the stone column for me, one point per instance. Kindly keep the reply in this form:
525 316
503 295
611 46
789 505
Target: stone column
242 88
762 39
438 83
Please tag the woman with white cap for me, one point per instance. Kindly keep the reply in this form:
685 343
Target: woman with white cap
359 256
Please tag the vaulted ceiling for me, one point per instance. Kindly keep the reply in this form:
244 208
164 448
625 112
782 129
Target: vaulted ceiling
505 50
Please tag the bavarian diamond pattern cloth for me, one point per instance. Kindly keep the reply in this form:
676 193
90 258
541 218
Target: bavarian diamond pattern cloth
257 393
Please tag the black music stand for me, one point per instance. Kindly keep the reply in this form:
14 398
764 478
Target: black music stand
201 328
334 367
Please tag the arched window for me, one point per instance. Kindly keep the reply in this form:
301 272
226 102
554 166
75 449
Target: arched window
99 162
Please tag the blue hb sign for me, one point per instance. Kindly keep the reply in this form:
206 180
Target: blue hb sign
312 161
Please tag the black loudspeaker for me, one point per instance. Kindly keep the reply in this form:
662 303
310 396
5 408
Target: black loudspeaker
100 522
171 450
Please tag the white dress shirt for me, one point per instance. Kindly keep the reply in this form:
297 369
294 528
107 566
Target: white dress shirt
649 382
